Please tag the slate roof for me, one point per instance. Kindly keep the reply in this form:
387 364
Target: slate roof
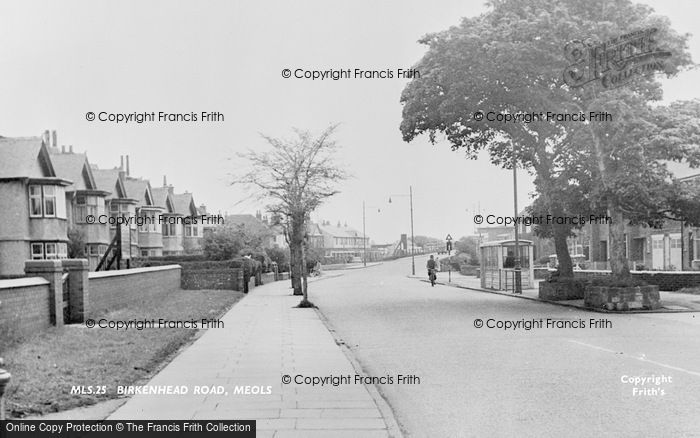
107 180
336 231
160 196
184 204
24 157
136 188
73 166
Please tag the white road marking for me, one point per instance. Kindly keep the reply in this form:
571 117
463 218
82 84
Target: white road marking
641 359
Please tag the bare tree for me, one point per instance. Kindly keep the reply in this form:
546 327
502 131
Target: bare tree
295 176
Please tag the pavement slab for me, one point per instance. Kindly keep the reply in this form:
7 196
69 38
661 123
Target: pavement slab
241 368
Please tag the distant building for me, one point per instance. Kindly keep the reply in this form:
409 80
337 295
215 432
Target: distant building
342 241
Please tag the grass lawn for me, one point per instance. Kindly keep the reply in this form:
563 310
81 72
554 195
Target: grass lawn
45 367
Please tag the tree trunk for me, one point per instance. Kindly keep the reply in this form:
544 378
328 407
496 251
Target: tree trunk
295 244
304 274
618 259
566 267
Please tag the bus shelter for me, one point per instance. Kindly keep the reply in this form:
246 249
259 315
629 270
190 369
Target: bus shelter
498 265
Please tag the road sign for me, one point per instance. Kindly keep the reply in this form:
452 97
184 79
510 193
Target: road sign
448 238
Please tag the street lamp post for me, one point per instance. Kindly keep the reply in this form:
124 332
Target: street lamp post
518 287
413 253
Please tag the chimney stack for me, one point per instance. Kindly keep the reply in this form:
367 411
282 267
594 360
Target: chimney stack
127 165
70 149
54 139
121 162
45 138
165 181
63 149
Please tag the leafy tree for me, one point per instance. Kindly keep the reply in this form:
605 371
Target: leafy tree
295 176
469 246
76 243
510 61
279 256
232 240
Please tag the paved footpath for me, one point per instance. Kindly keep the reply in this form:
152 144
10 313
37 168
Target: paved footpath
265 338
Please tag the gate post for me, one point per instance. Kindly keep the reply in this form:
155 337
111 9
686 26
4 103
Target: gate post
79 288
52 271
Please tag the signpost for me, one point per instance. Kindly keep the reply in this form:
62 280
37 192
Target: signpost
448 247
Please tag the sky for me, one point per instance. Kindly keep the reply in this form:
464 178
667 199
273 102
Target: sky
61 60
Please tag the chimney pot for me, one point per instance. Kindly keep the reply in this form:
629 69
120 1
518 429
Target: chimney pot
63 149
121 162
54 139
127 165
165 181
70 149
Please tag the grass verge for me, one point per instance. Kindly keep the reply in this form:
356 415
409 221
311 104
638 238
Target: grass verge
48 365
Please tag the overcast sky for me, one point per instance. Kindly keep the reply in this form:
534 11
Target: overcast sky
63 59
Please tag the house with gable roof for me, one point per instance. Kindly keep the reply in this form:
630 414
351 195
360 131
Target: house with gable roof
150 237
33 210
83 199
119 204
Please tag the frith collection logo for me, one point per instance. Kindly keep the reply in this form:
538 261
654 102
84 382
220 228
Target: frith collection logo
615 61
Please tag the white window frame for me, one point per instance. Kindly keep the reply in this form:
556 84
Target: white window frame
50 255
37 197
38 245
49 197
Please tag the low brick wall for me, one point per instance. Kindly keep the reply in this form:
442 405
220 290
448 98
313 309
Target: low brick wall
111 290
666 280
229 278
24 307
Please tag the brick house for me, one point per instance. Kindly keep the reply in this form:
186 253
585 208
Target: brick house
150 237
118 204
191 233
32 204
83 199
171 229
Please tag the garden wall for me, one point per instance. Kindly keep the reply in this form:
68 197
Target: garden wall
24 307
109 290
666 280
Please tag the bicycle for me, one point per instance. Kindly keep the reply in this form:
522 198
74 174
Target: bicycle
432 276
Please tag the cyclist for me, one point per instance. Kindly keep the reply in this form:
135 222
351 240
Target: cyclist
431 270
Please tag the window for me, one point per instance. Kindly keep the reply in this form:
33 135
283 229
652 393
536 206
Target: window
49 201
120 210
51 251
37 251
191 230
144 253
94 250
62 250
35 209
169 229
86 205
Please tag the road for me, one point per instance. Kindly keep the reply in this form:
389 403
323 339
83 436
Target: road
489 382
